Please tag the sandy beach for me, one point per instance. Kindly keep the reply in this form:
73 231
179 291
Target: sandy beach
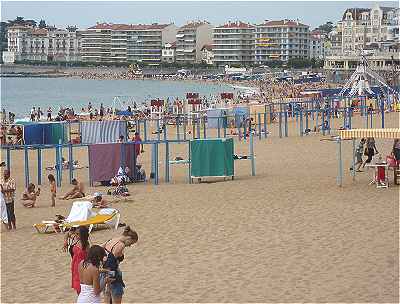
289 234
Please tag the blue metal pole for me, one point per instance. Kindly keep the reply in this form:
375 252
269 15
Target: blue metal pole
190 163
198 120
286 123
158 129
323 122
204 128
39 164
184 127
145 129
166 162
265 125
8 158
301 122
178 136
253 165
26 166
383 114
219 130
259 126
165 130
280 124
71 163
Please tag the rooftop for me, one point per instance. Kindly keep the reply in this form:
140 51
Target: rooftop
237 24
193 25
127 27
207 47
284 22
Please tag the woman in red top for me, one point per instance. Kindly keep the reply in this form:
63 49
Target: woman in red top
78 251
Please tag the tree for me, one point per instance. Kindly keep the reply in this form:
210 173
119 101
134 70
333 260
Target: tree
326 28
42 24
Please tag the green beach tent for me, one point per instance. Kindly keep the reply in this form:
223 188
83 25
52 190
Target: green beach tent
212 157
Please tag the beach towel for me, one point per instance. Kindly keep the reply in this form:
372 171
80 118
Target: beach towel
4 217
80 211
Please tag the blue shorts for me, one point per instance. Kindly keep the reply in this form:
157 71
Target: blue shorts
117 289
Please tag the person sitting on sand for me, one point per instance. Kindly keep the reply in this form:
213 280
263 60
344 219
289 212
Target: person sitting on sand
76 192
98 201
29 196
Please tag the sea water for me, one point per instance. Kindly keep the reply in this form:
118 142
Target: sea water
19 95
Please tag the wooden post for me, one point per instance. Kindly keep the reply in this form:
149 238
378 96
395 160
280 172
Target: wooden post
39 164
26 166
166 162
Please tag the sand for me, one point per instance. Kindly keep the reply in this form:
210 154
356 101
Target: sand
289 234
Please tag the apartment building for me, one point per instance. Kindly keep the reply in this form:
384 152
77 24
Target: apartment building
317 45
46 44
281 40
233 44
190 39
169 53
207 54
361 27
108 42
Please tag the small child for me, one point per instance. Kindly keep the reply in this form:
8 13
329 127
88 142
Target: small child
359 153
53 189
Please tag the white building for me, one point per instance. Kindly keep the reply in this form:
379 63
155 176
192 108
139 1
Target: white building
48 44
317 45
190 39
281 40
107 42
207 54
361 27
169 53
233 44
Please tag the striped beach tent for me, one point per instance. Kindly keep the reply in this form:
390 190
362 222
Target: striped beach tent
376 133
107 131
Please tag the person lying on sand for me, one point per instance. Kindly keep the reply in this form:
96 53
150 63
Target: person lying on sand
78 191
98 201
29 196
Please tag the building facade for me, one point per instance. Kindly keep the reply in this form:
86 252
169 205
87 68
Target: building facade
190 39
317 45
46 45
169 53
233 44
361 27
207 54
126 42
281 40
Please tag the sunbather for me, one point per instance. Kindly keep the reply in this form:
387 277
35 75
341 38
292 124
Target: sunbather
98 201
29 196
78 191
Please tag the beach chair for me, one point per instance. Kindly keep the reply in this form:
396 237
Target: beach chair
108 216
48 226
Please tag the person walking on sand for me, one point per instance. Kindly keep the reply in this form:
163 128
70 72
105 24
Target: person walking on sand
358 155
370 150
8 188
89 276
53 189
115 255
79 252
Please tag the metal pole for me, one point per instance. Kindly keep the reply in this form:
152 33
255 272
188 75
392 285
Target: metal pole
184 127
323 122
158 129
39 164
156 163
259 126
165 129
204 128
301 122
253 166
286 123
219 130
145 129
26 166
71 164
353 159
166 162
340 173
280 123
8 158
190 163
178 137
265 125
198 120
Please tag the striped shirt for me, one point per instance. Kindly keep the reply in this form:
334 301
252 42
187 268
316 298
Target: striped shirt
8 185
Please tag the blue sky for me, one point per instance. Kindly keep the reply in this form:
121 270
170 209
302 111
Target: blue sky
87 13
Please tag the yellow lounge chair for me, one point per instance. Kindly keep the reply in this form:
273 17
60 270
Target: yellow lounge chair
99 219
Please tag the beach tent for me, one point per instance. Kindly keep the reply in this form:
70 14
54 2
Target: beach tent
217 118
45 133
106 159
212 157
241 114
107 131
